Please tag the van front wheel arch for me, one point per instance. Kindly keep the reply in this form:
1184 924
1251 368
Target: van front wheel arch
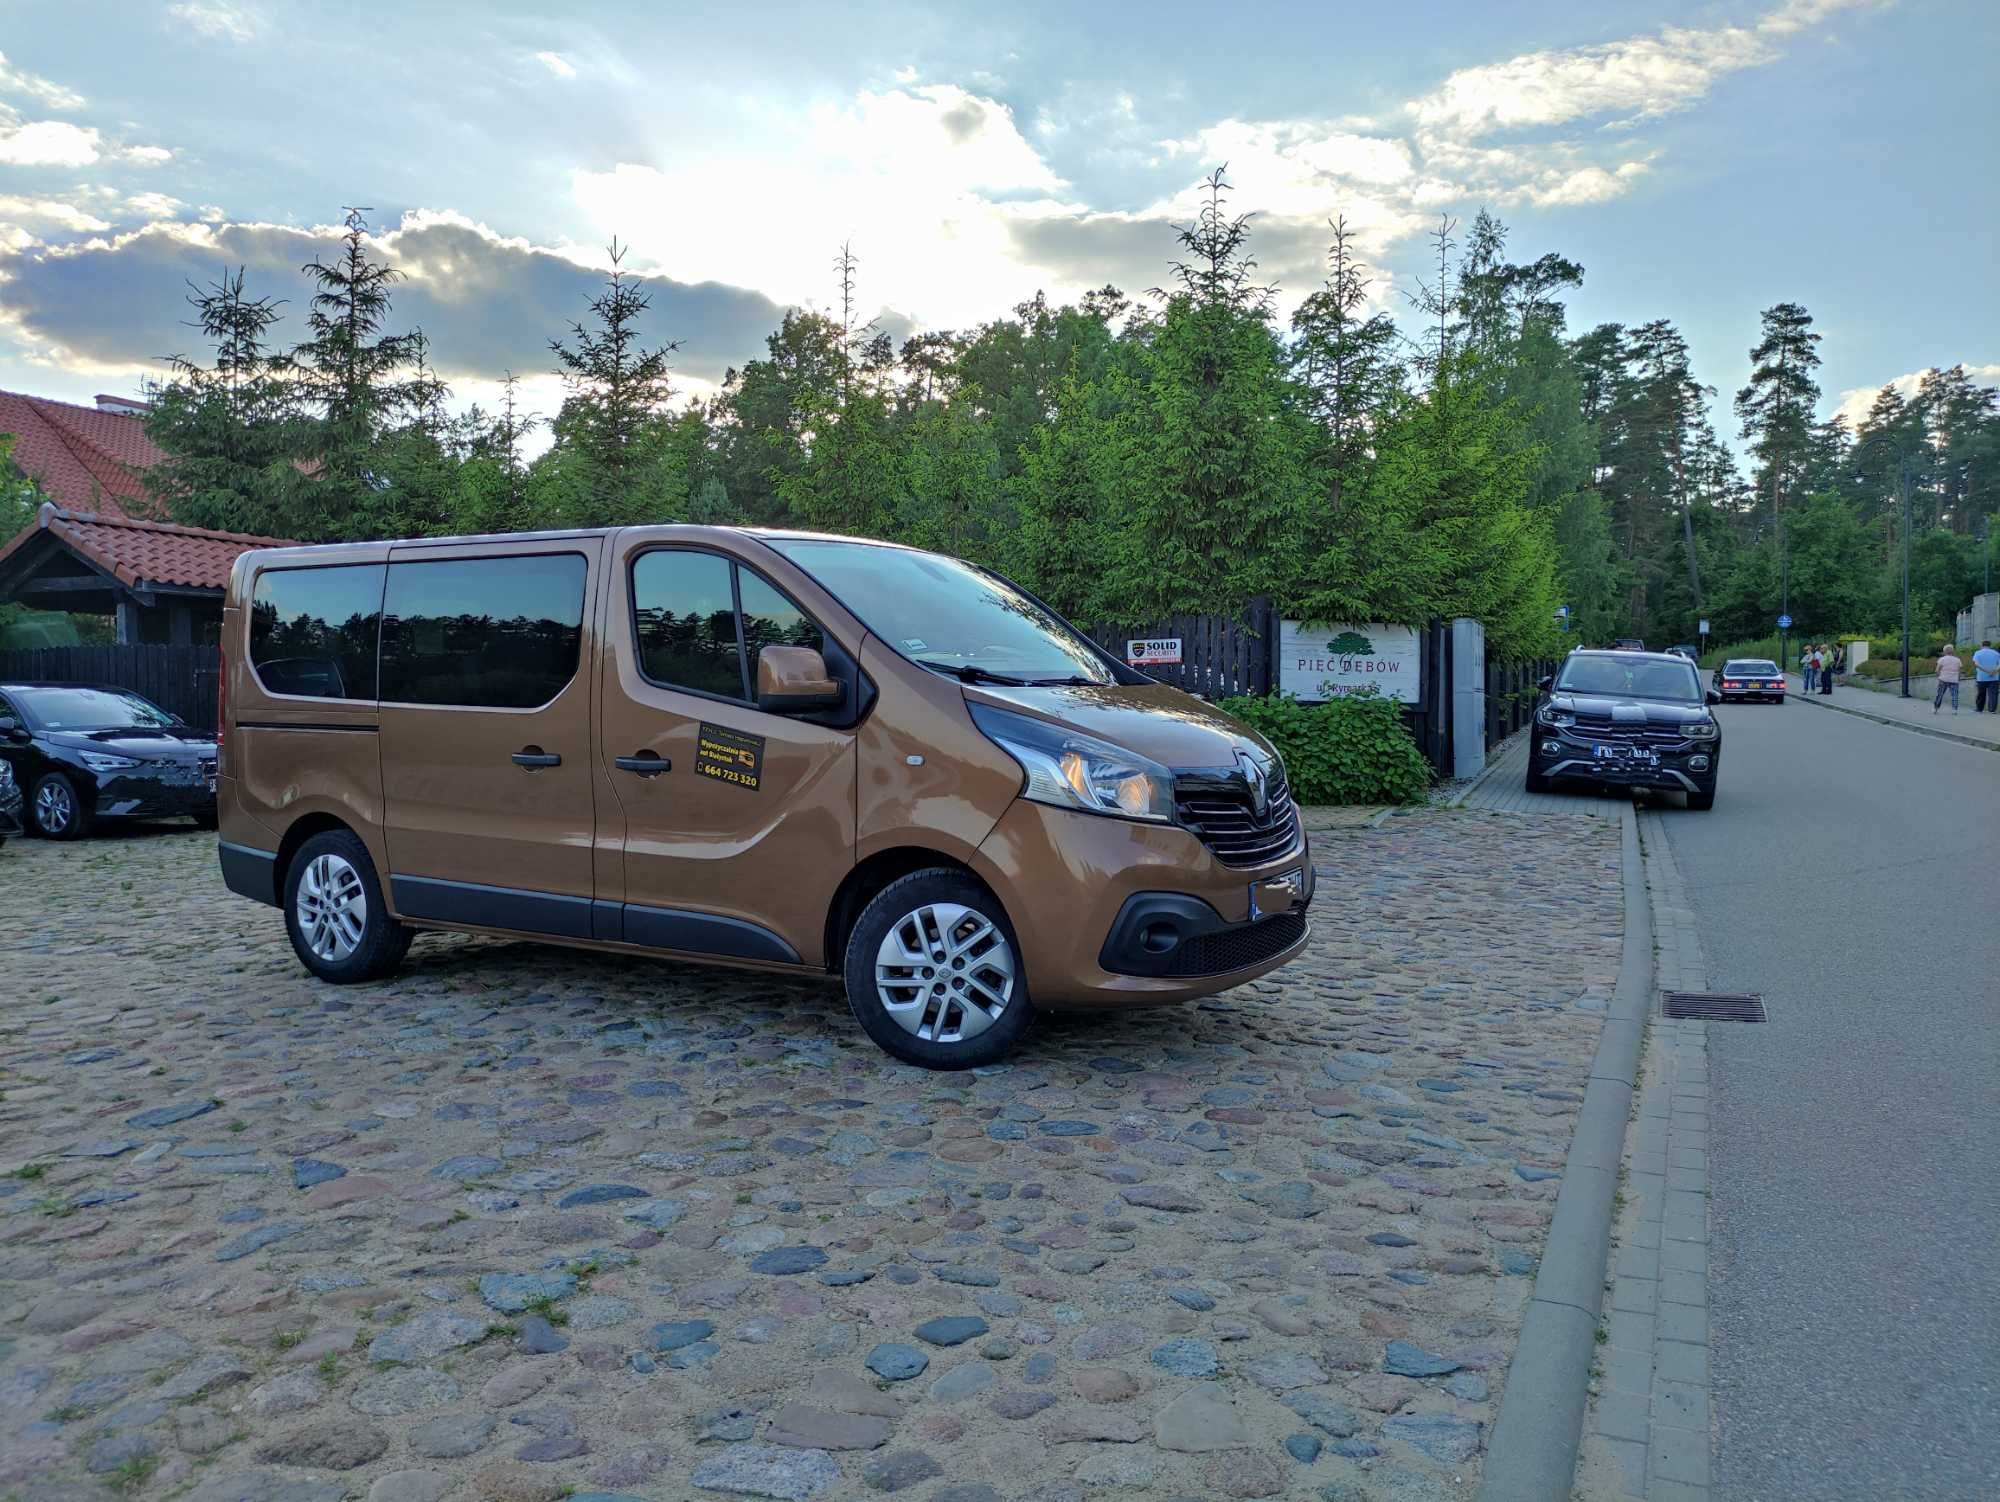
934 972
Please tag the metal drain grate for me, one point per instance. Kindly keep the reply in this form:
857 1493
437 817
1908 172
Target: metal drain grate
1713 1006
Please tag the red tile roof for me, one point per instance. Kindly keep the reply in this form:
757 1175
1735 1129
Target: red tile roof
86 460
141 553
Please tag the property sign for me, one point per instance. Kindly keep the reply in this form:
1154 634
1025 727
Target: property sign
1154 651
1324 662
1704 628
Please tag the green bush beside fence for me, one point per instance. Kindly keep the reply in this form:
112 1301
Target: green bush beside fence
1353 749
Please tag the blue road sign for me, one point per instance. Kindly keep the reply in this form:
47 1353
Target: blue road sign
1784 623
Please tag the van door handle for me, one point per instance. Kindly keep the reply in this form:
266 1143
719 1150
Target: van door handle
534 756
650 764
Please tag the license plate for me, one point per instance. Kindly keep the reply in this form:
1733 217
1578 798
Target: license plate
1279 894
1634 754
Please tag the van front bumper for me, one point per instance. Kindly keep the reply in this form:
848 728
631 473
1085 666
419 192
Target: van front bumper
1114 912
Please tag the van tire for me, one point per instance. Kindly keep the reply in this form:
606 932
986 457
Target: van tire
332 863
920 900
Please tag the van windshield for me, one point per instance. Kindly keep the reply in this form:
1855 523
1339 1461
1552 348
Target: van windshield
948 615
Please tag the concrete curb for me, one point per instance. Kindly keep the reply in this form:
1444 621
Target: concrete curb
1532 1457
1819 702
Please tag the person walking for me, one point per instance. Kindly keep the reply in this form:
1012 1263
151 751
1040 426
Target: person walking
1986 676
1948 670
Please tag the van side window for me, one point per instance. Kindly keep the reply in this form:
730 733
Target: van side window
684 608
313 630
491 633
771 620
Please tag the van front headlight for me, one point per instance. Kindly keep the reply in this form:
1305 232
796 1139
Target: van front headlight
1070 770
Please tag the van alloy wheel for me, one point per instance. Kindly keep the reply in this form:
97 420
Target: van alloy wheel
945 972
332 907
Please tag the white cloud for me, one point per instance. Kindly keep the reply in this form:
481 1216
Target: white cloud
146 156
226 23
50 95
925 181
1856 400
16 212
557 64
1637 77
48 143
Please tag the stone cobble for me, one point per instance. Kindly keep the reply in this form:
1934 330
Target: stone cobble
522 1222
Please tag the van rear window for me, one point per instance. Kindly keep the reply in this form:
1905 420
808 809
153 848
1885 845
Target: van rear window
492 633
313 630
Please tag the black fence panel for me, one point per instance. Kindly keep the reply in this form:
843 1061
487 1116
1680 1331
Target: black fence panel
1222 657
181 680
1510 695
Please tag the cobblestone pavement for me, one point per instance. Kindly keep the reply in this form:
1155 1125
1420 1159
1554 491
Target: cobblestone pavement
524 1223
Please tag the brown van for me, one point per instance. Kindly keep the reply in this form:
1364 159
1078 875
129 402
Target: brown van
767 749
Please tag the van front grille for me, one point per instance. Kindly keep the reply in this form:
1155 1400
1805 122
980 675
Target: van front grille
1234 948
1223 819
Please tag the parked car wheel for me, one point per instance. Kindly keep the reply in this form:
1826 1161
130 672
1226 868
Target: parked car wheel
339 925
1537 783
1702 801
934 973
58 810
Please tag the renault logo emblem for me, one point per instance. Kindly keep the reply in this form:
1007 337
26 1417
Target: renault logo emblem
1260 792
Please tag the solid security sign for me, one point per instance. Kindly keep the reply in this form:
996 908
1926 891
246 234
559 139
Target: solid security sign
1162 650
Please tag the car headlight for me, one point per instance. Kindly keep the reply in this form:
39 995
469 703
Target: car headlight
1703 730
104 761
1070 770
1548 714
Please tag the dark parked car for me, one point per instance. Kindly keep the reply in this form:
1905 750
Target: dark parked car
82 753
1627 719
1627 644
1749 678
10 803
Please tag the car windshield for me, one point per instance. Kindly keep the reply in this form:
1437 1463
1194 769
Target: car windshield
1752 667
1630 678
92 709
948 615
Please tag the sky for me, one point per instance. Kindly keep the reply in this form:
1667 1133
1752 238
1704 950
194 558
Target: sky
1701 161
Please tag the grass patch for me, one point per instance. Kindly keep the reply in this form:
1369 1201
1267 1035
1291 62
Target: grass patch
68 1413
546 1307
133 1474
328 1366
284 1340
1602 1336
31 1171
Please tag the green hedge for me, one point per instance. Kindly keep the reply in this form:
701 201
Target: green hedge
1353 749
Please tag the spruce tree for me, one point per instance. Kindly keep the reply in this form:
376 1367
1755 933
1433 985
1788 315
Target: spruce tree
616 392
1776 407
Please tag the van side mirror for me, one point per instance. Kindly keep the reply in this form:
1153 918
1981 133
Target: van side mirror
794 680
1547 683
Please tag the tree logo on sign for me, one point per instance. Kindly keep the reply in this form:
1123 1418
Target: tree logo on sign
1350 644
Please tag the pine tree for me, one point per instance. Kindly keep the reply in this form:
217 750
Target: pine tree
229 427
363 385
1343 358
616 397
1776 407
1066 496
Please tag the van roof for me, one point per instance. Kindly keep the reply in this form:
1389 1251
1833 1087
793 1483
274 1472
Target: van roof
690 530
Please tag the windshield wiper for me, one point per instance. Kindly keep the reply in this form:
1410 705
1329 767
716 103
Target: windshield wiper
971 672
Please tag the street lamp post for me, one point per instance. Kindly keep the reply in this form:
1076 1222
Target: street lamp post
1903 480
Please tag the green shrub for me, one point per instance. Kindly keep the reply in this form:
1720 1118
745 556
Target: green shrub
1892 667
1353 749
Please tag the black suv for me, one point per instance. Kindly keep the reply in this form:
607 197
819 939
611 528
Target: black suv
1627 719
82 752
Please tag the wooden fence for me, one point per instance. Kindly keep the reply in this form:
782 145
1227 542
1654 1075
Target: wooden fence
1222 657
181 680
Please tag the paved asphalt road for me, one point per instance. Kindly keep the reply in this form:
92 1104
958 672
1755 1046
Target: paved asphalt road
1851 873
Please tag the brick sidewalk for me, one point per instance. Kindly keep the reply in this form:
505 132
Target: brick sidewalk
524 1222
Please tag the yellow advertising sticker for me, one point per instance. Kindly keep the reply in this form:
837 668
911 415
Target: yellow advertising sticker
730 756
